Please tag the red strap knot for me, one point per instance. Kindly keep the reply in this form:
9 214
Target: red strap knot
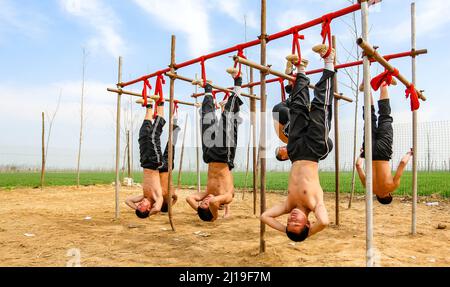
144 91
326 32
412 94
160 81
175 107
386 77
240 54
296 44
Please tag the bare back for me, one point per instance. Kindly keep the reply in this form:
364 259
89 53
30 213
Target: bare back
220 179
304 190
383 181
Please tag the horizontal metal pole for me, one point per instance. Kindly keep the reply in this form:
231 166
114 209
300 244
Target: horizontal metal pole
268 70
176 76
153 97
287 32
372 53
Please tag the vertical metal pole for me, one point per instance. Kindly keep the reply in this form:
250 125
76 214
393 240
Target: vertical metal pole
262 141
336 138
253 123
197 133
368 140
172 91
414 123
119 96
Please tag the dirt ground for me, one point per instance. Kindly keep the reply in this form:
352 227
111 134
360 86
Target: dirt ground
39 228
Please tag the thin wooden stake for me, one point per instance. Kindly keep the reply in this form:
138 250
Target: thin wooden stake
414 125
119 96
172 93
43 152
336 137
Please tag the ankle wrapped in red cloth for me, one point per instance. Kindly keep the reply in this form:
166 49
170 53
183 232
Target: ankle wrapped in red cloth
386 76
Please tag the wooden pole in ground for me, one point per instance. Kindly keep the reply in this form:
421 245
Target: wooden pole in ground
172 92
128 155
368 140
414 125
197 137
246 168
182 153
119 96
253 123
43 152
336 137
262 142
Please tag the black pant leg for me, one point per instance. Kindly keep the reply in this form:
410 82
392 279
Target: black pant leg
165 166
298 104
373 130
208 124
321 114
150 143
384 133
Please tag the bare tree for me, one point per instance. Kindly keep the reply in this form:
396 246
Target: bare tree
81 118
50 120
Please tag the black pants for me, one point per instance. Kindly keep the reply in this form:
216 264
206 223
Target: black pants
382 132
219 137
280 113
150 145
310 122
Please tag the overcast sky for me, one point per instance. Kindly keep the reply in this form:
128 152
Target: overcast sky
41 45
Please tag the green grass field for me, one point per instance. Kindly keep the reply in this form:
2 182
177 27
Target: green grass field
429 183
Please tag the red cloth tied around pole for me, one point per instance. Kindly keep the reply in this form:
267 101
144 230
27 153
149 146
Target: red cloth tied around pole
283 93
386 76
214 93
326 32
160 81
175 107
412 94
241 55
296 45
144 91
202 63
227 95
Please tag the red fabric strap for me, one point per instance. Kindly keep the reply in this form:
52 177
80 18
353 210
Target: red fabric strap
283 93
241 55
175 107
202 63
227 95
160 81
144 91
326 32
386 76
213 93
412 94
296 44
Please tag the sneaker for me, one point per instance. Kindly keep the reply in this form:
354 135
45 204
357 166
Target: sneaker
233 72
322 49
141 102
281 153
393 83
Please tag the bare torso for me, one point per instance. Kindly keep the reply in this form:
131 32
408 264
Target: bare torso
220 179
151 185
383 181
304 190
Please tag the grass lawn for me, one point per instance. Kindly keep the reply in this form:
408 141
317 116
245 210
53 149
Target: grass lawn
429 183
